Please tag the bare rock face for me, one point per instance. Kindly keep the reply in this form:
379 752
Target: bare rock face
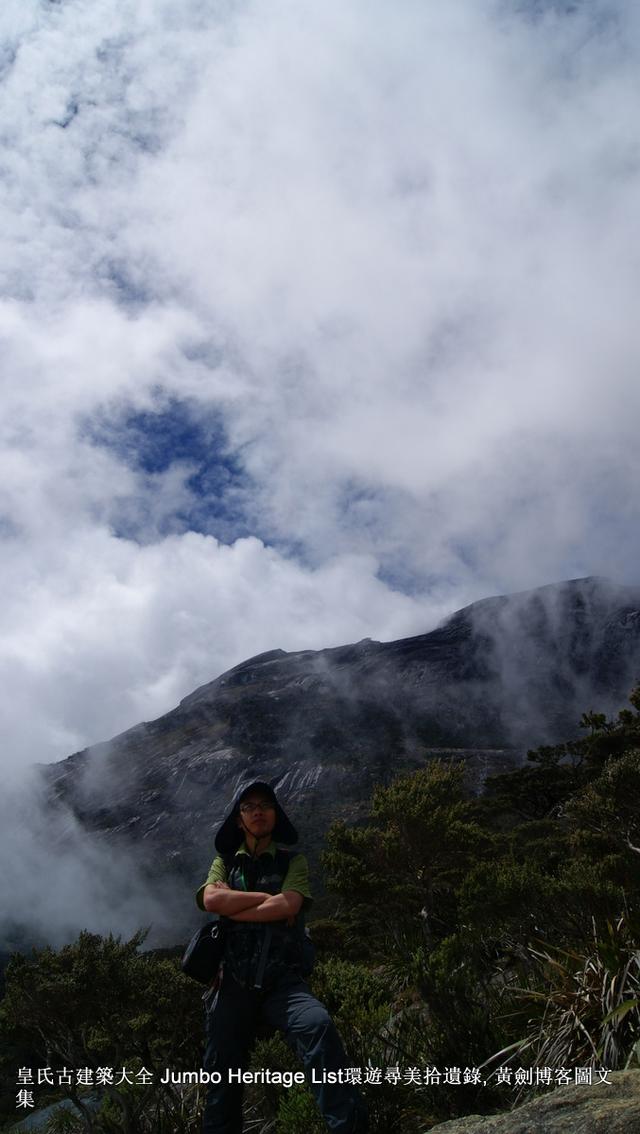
324 726
601 1109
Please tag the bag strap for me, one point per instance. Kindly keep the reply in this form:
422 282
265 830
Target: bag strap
282 861
264 953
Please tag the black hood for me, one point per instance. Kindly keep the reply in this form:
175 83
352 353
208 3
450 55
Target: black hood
229 836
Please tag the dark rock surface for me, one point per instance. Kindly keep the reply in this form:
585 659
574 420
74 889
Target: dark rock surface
324 726
605 1108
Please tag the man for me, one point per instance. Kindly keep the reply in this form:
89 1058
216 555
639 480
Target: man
262 892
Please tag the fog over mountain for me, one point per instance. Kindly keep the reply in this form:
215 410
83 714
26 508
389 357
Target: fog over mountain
128 825
317 323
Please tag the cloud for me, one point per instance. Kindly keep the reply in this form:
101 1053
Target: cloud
412 227
63 880
114 632
376 259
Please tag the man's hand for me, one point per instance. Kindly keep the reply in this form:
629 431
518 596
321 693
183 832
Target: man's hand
219 898
275 907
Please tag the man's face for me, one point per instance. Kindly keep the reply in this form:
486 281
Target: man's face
257 815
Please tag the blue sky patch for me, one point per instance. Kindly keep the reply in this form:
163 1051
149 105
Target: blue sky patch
178 433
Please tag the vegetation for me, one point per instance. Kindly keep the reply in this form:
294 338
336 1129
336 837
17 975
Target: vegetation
489 935
101 1004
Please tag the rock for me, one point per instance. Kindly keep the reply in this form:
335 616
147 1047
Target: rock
611 1108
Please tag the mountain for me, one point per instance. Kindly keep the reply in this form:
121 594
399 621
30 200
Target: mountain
324 726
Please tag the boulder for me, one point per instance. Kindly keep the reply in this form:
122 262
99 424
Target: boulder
605 1108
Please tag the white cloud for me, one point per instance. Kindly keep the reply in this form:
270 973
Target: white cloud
390 246
106 632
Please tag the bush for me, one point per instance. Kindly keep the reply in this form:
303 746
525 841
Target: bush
587 1001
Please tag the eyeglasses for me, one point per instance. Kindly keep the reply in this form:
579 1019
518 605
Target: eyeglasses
246 808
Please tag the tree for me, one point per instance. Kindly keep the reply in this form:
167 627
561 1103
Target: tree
101 1003
605 815
400 872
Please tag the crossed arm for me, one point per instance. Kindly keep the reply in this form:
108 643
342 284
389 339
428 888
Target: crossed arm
251 905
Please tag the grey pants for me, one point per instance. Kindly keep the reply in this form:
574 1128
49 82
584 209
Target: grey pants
308 1029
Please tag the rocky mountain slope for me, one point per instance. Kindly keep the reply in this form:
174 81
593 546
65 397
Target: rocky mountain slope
498 677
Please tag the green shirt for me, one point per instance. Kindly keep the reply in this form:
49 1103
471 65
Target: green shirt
296 878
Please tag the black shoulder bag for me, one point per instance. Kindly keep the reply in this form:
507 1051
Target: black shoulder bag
203 955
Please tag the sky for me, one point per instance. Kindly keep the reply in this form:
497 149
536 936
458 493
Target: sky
318 321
